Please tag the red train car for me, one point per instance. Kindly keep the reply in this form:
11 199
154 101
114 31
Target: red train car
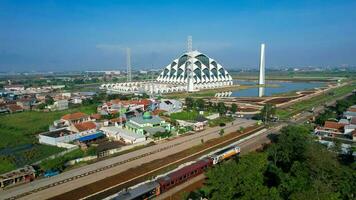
175 178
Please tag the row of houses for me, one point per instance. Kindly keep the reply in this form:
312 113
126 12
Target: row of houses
345 127
12 102
134 123
123 106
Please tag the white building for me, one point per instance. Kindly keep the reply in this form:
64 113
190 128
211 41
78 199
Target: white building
207 73
170 105
59 105
123 134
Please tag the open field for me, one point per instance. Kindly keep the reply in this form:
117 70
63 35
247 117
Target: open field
18 144
295 76
315 101
21 128
212 92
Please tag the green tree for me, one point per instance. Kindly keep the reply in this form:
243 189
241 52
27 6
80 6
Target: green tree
268 111
243 180
221 132
49 100
189 103
294 167
290 147
200 104
221 108
233 108
41 106
328 114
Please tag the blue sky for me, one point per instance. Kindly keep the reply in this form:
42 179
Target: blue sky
91 35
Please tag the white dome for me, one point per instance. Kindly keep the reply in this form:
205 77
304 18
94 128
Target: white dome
205 70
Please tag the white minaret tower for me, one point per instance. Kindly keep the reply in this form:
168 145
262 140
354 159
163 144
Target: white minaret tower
128 64
190 86
262 66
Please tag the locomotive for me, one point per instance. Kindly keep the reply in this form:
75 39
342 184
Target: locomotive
151 189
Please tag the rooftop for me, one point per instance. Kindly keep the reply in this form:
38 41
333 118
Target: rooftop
353 120
350 113
141 120
144 102
153 130
58 133
118 120
84 126
91 137
122 132
352 109
95 116
74 116
333 125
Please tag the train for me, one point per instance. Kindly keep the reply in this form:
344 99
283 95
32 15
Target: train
153 188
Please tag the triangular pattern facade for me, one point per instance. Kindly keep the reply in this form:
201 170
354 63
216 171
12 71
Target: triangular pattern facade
207 73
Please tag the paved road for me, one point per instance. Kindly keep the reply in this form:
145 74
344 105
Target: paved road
126 162
256 142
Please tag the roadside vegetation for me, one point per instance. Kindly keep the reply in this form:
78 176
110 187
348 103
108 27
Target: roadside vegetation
295 76
293 167
194 106
208 92
298 107
58 163
221 121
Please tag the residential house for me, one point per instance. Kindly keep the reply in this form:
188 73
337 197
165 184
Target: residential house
118 121
124 135
88 126
13 108
95 117
76 100
349 114
74 118
14 87
59 105
26 103
147 124
122 106
330 128
170 105
198 124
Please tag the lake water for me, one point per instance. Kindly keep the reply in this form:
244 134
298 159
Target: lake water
283 87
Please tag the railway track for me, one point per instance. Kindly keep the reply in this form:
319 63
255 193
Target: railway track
115 187
107 167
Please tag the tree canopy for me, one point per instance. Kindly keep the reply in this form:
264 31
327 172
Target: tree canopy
293 167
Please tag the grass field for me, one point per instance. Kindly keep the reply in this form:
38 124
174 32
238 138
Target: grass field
185 115
21 128
210 92
18 134
315 101
289 75
220 120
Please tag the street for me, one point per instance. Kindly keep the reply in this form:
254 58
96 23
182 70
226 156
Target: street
53 186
